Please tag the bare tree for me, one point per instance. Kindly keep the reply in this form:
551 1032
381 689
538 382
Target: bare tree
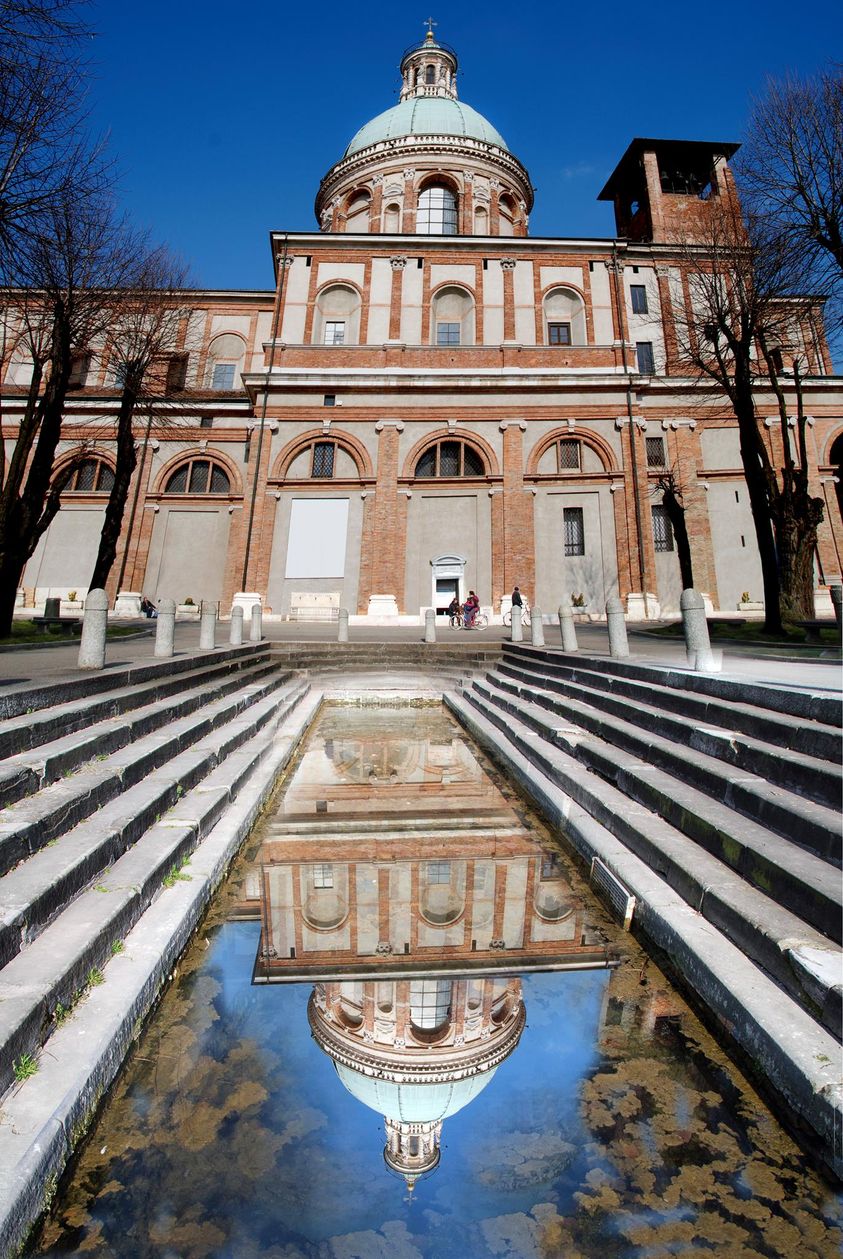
743 328
70 274
670 486
147 318
45 153
791 175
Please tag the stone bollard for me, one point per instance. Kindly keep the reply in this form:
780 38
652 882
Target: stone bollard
94 625
536 627
342 626
208 626
256 631
618 645
567 628
430 626
165 628
836 593
516 632
235 634
694 626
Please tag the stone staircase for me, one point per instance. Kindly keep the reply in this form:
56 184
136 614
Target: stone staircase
717 804
463 655
109 782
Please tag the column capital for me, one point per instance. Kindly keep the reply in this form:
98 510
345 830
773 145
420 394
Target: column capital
398 264
505 424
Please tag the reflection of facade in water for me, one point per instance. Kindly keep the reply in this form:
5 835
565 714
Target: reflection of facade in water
483 909
417 1051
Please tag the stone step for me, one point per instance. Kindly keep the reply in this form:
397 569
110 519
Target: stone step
54 968
797 1059
813 738
29 771
812 826
806 888
807 775
26 698
36 890
30 824
32 729
807 705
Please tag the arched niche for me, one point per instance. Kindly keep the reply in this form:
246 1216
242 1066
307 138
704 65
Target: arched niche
452 316
563 309
297 456
550 458
337 315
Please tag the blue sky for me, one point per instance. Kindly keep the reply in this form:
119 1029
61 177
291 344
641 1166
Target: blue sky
223 118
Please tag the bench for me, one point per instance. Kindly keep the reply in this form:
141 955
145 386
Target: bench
812 629
46 623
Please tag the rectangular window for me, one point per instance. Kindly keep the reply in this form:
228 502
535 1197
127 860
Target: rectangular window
559 333
662 529
447 334
323 875
329 400
638 294
655 452
646 362
574 531
439 872
569 455
121 371
323 459
334 332
223 377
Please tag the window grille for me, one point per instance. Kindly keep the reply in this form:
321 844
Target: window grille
450 459
91 476
655 452
569 455
662 529
574 531
199 476
323 459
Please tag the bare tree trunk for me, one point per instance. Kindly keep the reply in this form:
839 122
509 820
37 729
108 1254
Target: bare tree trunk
797 545
676 516
126 462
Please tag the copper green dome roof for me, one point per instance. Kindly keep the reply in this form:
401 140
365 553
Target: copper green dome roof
427 116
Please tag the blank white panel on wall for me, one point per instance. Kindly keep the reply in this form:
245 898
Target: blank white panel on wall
316 547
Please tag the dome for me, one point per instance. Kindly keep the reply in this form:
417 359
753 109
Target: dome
427 116
413 1103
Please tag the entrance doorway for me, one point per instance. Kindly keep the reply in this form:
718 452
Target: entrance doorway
446 589
448 579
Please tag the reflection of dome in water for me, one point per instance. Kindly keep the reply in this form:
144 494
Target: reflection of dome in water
413 1103
417 1051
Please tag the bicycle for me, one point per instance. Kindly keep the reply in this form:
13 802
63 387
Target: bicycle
525 616
455 621
479 621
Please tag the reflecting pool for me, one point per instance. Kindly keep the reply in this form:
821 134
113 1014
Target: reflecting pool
407 1029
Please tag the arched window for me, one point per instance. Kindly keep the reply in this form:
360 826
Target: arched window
564 317
450 458
430 74
452 316
506 207
322 459
430 1003
226 354
835 458
357 214
437 212
198 476
91 476
337 319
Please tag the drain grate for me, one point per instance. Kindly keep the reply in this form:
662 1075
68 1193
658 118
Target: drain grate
620 899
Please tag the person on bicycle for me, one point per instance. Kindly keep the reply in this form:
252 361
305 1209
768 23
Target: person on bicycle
470 610
453 611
